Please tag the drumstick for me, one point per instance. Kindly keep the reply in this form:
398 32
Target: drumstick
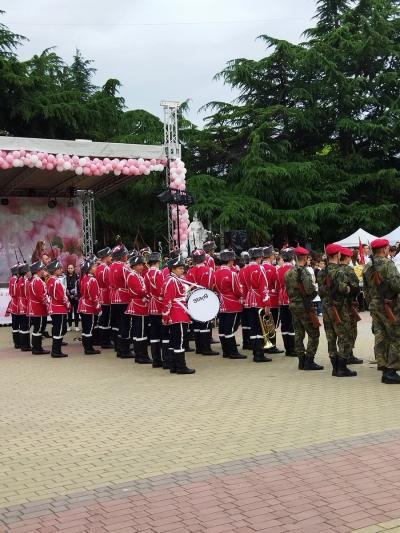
188 282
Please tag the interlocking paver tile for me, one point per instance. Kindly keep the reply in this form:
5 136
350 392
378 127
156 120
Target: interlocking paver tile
107 445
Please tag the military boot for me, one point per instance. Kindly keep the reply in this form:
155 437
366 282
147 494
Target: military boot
16 340
258 352
180 364
205 346
56 349
310 364
353 360
390 376
165 355
334 363
141 355
124 351
342 370
88 346
246 340
232 349
37 348
301 362
156 354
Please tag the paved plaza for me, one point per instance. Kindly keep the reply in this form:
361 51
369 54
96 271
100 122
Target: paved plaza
99 444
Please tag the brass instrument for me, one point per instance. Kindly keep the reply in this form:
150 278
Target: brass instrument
268 328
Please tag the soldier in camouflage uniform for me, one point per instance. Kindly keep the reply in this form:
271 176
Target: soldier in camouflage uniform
301 291
382 289
345 259
334 290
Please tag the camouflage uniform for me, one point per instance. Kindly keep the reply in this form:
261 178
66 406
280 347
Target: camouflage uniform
352 296
387 335
301 319
339 336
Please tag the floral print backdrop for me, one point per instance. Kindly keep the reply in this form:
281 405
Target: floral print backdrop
24 221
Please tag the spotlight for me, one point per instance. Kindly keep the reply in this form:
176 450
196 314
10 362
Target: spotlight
4 201
51 204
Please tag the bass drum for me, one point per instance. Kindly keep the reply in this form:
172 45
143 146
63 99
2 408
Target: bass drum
203 305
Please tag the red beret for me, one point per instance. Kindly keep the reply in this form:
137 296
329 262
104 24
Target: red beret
346 251
379 243
301 251
333 249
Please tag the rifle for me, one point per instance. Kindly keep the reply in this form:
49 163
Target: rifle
328 283
383 291
16 256
307 300
21 254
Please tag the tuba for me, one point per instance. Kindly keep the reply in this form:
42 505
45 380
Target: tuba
267 327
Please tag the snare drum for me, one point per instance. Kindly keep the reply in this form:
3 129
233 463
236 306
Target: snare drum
203 305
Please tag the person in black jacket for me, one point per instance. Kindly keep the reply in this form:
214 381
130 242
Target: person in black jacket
72 280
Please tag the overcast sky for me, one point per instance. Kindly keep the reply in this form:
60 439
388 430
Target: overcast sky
158 49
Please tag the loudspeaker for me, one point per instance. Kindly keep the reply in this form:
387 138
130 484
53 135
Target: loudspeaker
237 240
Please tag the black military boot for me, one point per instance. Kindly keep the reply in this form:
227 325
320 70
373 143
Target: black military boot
180 364
88 346
186 344
273 350
246 340
165 355
353 360
288 341
310 364
124 351
258 352
37 348
105 339
96 340
25 342
172 361
302 359
334 363
232 349
205 345
390 376
56 349
225 350
16 340
156 354
141 355
197 342
342 370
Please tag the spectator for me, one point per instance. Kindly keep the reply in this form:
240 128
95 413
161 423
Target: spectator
72 282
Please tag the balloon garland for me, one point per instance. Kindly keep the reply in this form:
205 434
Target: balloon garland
178 181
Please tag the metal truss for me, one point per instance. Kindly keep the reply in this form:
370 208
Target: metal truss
87 200
172 149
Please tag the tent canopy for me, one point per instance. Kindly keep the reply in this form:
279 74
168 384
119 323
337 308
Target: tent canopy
393 236
27 181
353 240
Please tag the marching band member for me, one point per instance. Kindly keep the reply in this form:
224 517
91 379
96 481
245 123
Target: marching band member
228 286
175 316
38 304
202 275
154 280
119 294
287 329
13 306
247 345
58 308
273 290
89 304
134 323
103 279
256 285
209 249
22 297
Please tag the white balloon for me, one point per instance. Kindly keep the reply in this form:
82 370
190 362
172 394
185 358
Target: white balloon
67 165
140 160
79 171
38 164
82 161
34 159
117 172
16 163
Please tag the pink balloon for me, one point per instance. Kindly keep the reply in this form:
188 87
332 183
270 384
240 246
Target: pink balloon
75 159
142 168
114 164
5 165
181 186
96 160
66 157
136 171
49 166
93 168
87 171
125 171
108 167
120 166
9 158
16 154
51 158
106 161
96 172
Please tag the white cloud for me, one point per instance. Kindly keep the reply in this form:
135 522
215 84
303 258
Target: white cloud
158 49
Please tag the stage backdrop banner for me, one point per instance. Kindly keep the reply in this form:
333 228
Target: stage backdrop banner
4 300
24 221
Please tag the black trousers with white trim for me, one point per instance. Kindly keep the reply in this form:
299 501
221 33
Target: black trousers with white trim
134 327
228 324
104 322
177 334
59 326
38 323
287 329
89 322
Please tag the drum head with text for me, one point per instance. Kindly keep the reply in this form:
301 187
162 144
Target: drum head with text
203 305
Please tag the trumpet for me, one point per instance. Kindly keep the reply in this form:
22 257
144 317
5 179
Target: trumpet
268 328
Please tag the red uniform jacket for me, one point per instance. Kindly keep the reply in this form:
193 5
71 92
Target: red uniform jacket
118 275
202 275
273 284
166 273
38 302
139 302
103 279
283 295
256 284
209 261
230 290
59 304
154 280
89 302
12 291
22 295
174 302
